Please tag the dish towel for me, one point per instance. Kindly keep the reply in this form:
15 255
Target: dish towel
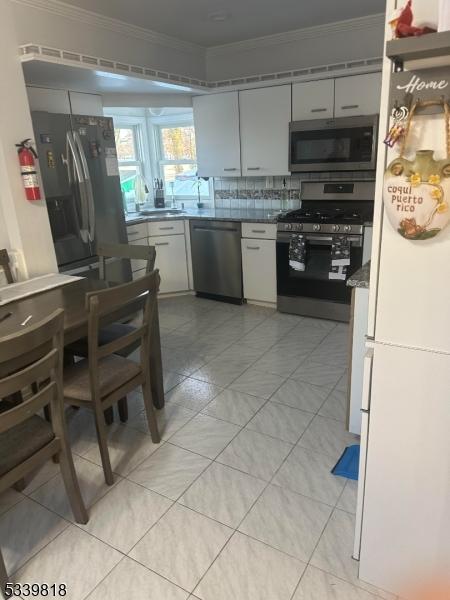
297 252
340 257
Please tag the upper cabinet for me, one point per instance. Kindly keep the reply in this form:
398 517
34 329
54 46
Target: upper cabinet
313 100
216 119
357 95
265 114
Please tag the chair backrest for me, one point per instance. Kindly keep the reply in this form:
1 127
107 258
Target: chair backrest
5 264
27 357
100 304
104 251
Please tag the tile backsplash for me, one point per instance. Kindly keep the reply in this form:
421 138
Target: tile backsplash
267 192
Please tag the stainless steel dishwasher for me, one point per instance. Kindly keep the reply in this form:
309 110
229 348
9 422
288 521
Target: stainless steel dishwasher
216 259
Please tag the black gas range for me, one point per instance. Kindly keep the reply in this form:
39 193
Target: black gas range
328 210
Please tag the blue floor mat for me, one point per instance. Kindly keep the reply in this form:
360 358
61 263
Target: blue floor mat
348 464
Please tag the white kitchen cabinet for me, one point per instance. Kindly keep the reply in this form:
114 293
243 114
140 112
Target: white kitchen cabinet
259 270
259 230
265 114
171 261
313 100
357 95
216 119
165 227
137 232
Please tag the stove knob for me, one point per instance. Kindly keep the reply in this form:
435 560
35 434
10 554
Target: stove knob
316 227
288 226
335 228
347 228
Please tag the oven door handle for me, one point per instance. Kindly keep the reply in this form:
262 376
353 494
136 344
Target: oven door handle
355 240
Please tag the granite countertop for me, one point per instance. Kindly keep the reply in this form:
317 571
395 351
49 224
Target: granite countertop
251 215
361 278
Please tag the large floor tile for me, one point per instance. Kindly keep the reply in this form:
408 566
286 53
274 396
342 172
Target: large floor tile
234 407
318 374
335 406
24 530
349 497
92 485
169 471
279 363
40 476
131 580
170 419
328 436
75 558
309 473
223 494
302 395
280 421
171 379
205 435
127 448
221 371
125 514
287 521
81 427
249 570
318 585
257 383
193 394
8 498
255 454
182 546
334 551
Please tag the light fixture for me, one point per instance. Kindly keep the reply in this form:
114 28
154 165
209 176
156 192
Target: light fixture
156 112
218 16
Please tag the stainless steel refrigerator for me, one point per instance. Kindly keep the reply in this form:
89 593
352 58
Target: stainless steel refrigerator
78 164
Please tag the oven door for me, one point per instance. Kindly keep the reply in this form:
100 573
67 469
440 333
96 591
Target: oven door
333 144
314 282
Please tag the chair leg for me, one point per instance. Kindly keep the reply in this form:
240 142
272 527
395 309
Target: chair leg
109 416
103 446
123 409
20 485
3 575
71 484
150 410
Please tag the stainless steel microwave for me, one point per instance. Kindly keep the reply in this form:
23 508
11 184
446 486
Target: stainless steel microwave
343 144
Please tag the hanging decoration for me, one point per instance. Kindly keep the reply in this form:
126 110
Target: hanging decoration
417 192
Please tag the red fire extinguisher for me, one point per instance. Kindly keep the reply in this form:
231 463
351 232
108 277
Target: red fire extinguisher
27 154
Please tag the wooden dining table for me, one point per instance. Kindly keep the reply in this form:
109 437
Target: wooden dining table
72 298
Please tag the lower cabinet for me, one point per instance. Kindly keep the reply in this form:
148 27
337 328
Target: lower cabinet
259 270
171 261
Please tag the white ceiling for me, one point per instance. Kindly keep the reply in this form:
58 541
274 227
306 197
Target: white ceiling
48 74
189 20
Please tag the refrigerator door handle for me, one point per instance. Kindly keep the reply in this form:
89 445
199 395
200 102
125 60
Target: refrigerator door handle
78 172
88 187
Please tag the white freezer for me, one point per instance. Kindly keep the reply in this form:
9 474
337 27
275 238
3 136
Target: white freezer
406 490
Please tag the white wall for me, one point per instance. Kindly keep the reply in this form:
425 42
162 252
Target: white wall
26 222
335 43
4 237
147 100
59 27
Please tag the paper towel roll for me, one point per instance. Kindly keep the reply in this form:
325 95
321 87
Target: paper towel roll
444 15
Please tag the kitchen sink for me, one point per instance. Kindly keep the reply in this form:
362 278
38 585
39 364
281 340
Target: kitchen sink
161 211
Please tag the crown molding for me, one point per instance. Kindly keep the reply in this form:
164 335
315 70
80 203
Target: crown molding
87 17
297 35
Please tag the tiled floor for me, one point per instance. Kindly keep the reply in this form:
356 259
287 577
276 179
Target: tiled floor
237 502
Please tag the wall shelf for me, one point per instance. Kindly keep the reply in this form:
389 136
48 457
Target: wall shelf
429 45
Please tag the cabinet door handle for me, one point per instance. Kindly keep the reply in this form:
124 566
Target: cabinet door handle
258 231
230 169
161 243
253 248
253 168
164 228
314 110
349 106
133 232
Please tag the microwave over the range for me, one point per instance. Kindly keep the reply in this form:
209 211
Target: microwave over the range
343 144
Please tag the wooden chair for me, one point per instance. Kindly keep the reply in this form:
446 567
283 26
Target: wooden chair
105 376
5 264
26 439
113 331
